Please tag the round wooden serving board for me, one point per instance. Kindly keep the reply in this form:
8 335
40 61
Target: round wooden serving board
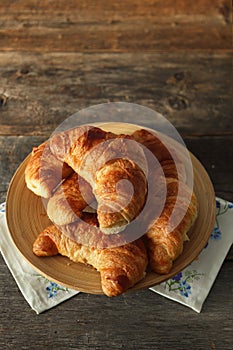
26 218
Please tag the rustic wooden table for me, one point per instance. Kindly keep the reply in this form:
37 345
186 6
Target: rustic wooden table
57 57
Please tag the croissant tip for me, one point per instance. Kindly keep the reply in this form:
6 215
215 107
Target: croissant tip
113 287
44 246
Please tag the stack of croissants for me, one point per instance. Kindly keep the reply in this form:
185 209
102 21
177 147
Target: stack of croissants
85 165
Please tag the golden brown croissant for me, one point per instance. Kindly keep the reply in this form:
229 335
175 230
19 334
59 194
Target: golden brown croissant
69 200
44 172
167 232
172 163
120 267
153 143
113 165
86 231
164 246
165 237
113 192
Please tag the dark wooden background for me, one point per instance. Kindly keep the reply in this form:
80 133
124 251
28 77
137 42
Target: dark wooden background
57 57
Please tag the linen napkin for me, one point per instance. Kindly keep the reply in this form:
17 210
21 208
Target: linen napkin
189 287
40 293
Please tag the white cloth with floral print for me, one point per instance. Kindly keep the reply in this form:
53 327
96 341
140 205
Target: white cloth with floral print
40 293
190 287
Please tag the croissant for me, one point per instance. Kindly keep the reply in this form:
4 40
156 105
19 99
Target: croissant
86 231
69 200
172 163
115 168
112 190
44 171
167 232
113 165
153 143
164 246
120 267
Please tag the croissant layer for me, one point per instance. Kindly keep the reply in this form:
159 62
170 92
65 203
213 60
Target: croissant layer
120 268
168 231
106 161
44 171
69 200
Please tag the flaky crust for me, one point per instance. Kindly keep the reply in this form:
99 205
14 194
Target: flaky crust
118 201
86 231
172 167
69 200
153 143
165 245
44 171
109 175
167 232
104 160
120 267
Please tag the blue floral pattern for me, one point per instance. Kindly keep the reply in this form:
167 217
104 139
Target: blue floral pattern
2 207
181 283
216 234
52 289
185 288
221 209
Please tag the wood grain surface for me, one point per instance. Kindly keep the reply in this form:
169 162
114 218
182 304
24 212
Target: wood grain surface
185 87
57 57
118 26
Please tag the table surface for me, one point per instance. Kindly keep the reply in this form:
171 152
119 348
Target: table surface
57 57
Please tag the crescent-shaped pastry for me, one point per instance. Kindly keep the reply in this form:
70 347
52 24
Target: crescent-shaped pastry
113 165
167 233
44 171
120 267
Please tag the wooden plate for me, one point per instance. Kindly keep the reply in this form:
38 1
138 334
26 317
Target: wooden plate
26 218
